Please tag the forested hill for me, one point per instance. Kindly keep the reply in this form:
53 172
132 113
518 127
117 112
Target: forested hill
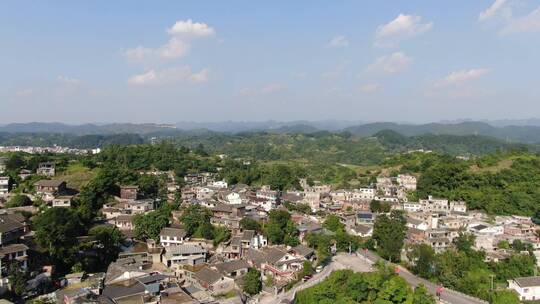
320 146
509 133
525 134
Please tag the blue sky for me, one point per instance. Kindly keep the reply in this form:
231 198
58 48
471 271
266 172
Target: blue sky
168 61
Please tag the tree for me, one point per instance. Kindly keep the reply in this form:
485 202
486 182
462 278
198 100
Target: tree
196 220
149 225
252 282
17 279
15 162
380 207
19 200
250 224
504 297
57 230
333 223
422 257
108 240
280 229
389 234
221 234
421 296
395 290
464 242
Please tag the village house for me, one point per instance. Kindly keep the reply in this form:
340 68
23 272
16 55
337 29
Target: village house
184 254
47 169
13 252
129 192
172 236
276 262
124 222
213 281
138 206
11 228
233 269
303 252
220 184
416 223
362 230
412 207
50 187
528 288
4 185
3 161
62 201
434 204
24 173
407 181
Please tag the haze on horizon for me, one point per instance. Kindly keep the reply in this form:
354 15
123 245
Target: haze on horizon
134 61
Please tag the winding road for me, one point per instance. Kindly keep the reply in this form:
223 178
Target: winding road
362 262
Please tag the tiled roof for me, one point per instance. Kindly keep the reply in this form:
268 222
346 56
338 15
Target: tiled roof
528 281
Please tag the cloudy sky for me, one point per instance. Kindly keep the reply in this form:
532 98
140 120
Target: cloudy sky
169 61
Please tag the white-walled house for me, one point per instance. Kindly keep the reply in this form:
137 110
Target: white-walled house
234 198
171 236
528 288
412 206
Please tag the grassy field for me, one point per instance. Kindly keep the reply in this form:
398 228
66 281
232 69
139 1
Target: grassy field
76 175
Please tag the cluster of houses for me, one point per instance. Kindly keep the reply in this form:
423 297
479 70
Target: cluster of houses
179 269
53 149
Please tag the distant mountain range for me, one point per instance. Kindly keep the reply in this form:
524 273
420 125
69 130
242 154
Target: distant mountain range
520 132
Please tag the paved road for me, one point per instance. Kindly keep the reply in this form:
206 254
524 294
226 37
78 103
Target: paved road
340 261
362 263
448 295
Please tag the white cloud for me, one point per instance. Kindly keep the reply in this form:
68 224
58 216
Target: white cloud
175 48
190 28
390 64
68 80
462 77
403 27
492 11
370 88
169 76
178 45
338 42
138 54
524 24
200 77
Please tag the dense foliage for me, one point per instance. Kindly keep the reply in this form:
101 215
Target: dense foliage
464 269
389 234
345 286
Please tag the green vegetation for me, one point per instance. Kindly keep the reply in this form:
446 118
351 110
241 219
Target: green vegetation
464 269
345 286
389 234
18 200
280 229
252 282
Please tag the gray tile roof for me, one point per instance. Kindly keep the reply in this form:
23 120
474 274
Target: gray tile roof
303 250
228 267
177 232
208 275
8 223
184 249
49 183
124 289
528 281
